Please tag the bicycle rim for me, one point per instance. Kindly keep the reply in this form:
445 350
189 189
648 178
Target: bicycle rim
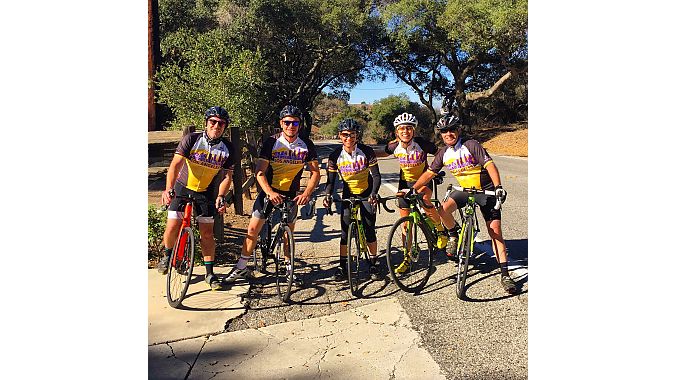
283 279
464 252
181 265
353 258
409 254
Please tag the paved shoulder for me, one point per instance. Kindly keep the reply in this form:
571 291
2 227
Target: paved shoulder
372 341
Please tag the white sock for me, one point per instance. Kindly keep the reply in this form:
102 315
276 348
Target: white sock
241 264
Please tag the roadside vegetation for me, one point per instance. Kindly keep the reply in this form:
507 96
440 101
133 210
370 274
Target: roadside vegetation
254 56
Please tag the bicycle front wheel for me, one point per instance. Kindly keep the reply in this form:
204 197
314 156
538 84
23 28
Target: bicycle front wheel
464 251
409 254
284 272
353 257
181 265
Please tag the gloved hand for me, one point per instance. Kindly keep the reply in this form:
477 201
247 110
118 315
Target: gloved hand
501 194
373 200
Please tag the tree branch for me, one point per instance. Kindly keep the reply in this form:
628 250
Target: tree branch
490 91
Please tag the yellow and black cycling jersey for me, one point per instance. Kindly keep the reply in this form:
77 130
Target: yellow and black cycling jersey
202 161
353 168
287 161
413 158
467 161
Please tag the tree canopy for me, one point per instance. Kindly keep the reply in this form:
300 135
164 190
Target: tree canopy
253 57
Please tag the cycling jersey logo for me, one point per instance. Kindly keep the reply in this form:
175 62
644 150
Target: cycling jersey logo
289 156
414 158
463 162
348 167
211 159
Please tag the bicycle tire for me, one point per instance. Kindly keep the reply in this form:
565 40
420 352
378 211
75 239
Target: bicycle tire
284 281
464 251
261 251
413 279
353 249
181 264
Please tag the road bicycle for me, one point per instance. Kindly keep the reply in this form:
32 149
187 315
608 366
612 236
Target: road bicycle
268 248
410 253
468 233
411 244
357 250
182 260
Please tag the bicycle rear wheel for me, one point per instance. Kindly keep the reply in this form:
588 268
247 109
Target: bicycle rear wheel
261 253
284 276
181 265
409 254
464 251
353 249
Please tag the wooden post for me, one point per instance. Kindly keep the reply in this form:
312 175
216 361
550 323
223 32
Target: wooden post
219 234
237 175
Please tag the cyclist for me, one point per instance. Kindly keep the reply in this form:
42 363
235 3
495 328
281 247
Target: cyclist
354 161
412 151
472 166
278 171
198 159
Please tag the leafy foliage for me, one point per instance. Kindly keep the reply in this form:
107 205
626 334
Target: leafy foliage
454 47
381 126
203 71
157 222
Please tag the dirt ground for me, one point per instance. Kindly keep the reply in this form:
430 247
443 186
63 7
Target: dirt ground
511 140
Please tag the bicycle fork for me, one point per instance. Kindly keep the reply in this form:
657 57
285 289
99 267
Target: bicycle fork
184 237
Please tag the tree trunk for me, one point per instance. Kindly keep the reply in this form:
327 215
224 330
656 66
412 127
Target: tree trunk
153 61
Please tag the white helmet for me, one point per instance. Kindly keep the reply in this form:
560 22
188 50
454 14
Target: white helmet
405 118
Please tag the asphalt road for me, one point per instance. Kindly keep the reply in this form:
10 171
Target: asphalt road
482 337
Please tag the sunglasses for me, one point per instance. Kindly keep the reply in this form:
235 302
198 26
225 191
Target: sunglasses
347 135
287 123
446 130
405 127
220 123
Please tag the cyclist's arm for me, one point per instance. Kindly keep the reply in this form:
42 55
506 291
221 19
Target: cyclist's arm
330 181
493 173
313 166
172 173
261 168
375 173
224 186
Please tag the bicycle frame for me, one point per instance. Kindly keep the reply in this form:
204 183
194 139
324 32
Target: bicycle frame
355 216
186 222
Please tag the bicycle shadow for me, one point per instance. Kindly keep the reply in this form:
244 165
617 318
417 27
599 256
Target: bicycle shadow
484 266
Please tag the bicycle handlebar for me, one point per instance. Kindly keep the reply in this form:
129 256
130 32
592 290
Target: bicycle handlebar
412 196
351 200
498 202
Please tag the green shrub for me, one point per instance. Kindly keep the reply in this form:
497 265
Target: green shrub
157 221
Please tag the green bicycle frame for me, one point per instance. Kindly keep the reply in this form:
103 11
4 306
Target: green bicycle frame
356 216
469 213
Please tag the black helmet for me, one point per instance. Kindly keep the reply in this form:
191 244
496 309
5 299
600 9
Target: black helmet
218 111
448 122
290 110
222 114
349 124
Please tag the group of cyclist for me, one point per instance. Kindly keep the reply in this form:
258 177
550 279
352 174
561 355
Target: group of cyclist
283 157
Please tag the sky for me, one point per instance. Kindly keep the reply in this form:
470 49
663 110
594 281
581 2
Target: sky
370 91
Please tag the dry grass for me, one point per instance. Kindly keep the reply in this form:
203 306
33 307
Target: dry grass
509 143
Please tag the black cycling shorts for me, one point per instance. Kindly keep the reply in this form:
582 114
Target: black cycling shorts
486 204
262 207
368 217
204 207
